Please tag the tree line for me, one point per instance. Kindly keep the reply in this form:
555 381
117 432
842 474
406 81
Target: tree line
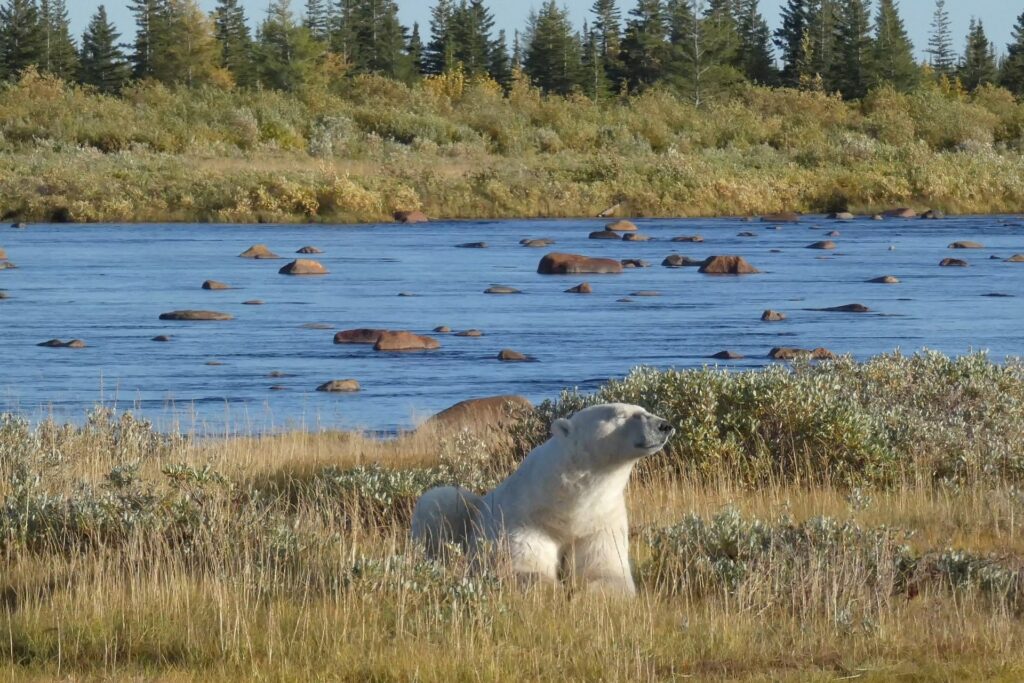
698 48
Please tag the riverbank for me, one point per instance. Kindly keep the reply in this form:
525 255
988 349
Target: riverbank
465 150
850 520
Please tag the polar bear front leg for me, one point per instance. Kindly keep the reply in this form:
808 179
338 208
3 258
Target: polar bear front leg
534 556
601 562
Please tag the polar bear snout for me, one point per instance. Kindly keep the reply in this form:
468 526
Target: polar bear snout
657 432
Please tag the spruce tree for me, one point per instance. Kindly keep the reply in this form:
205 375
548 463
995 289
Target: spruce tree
21 37
850 70
235 40
101 62
756 60
189 52
790 38
317 19
379 39
500 67
470 36
150 35
285 52
341 31
439 54
1012 76
979 63
892 57
704 45
414 48
60 57
552 59
820 46
607 30
595 81
940 42
645 47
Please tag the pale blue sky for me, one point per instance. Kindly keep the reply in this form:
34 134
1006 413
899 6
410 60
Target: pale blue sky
998 15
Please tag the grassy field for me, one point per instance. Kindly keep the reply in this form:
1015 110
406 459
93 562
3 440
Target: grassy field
835 522
463 149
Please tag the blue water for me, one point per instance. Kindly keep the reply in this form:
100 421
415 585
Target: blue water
107 285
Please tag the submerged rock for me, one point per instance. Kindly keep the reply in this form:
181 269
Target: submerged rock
621 226
568 264
773 316
512 356
953 262
303 266
339 386
727 265
195 315
401 340
213 284
581 288
728 355
258 251
790 353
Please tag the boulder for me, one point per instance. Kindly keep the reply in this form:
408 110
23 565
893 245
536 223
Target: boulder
727 265
441 329
841 216
19 225
847 308
581 288
213 284
162 338
624 300
406 294
728 355
966 244
746 233
834 233
789 353
635 237
477 412
933 214
469 333
511 356
308 250
634 263
885 280
770 316
359 335
1016 258
570 264
3 294
258 251
680 261
410 217
339 386
58 344
303 266
605 235
645 293
953 262
195 315
316 326
3 254
876 217
781 217
537 243
501 289
401 340
901 212
278 387
824 244
472 245
253 302
621 226
688 238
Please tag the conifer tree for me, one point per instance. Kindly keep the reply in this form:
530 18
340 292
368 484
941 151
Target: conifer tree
791 37
500 66
607 30
979 63
892 57
820 46
470 36
235 40
645 47
439 54
1012 76
150 35
21 37
940 42
379 39
552 59
596 84
189 51
756 60
101 62
850 70
414 48
317 19
285 52
60 57
341 32
704 45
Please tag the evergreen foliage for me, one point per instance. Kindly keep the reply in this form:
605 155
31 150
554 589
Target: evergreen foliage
102 64
940 42
979 63
552 59
646 51
1012 76
60 57
892 59
850 71
21 37
236 46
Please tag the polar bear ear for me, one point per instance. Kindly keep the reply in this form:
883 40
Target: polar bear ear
561 427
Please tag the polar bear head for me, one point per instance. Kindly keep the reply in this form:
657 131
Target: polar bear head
613 433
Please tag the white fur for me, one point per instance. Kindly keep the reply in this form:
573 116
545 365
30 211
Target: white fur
563 511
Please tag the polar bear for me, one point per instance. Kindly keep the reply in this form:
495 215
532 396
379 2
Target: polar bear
563 511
